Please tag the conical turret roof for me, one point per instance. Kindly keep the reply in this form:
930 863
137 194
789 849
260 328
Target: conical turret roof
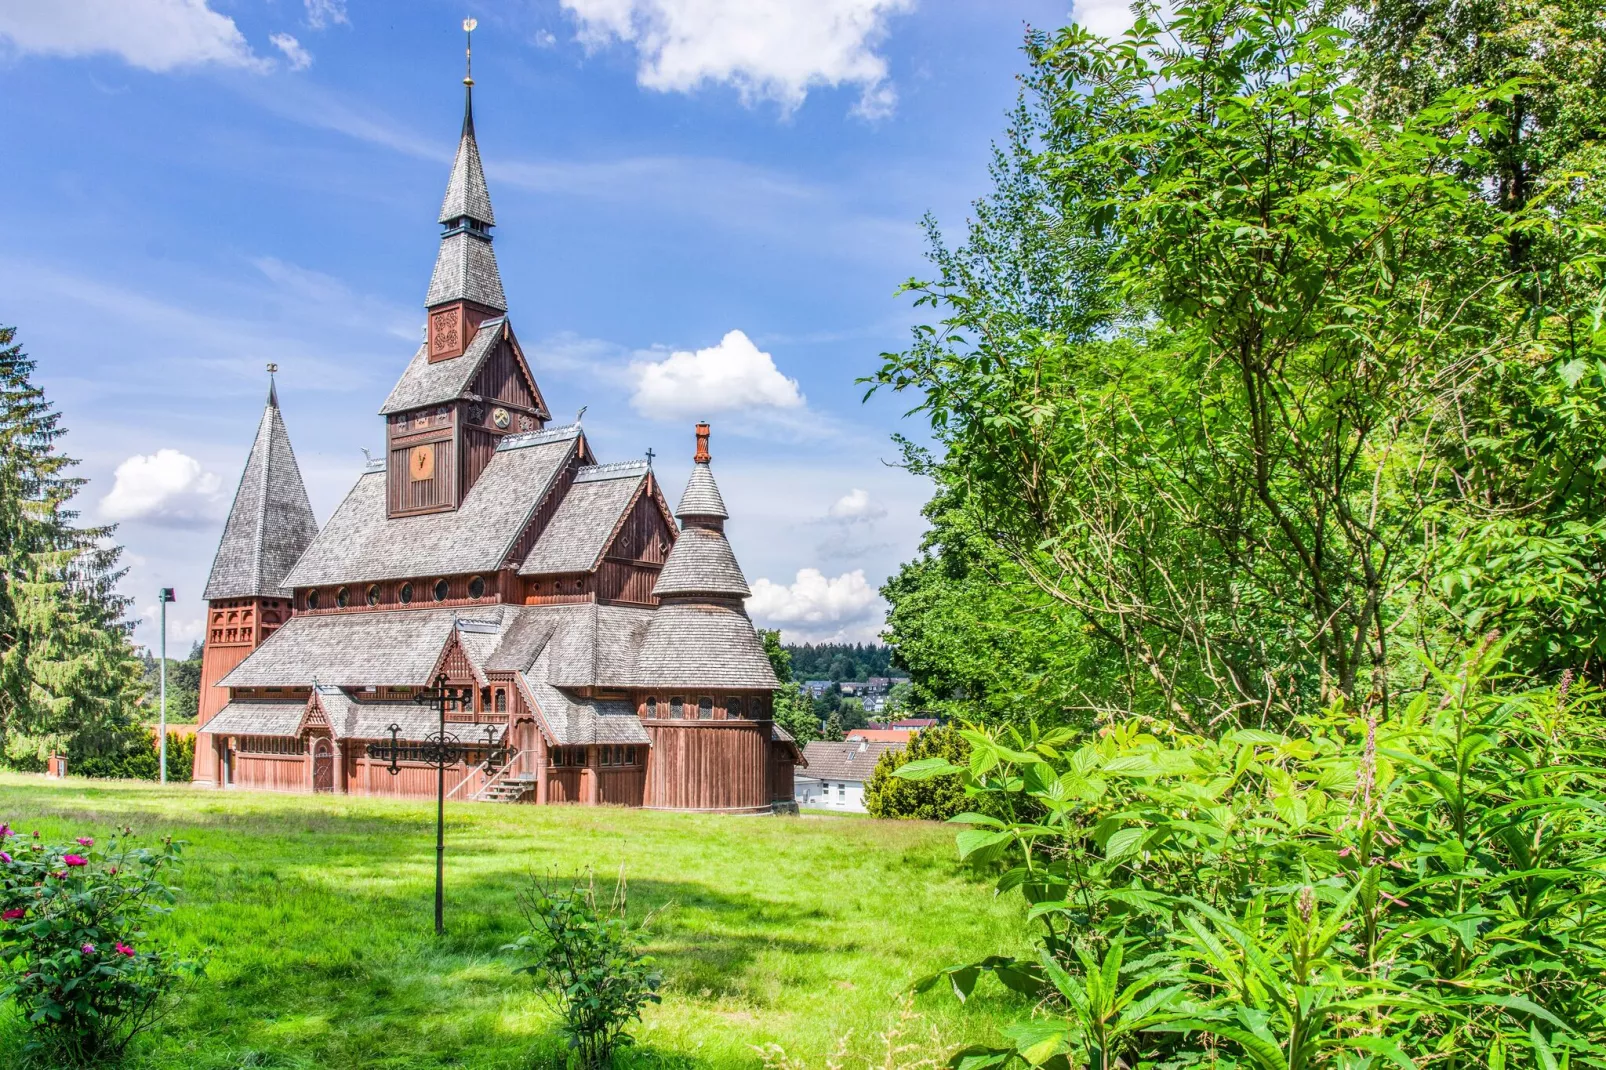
701 497
701 562
270 523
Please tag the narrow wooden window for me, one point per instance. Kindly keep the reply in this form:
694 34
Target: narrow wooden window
705 709
677 708
501 700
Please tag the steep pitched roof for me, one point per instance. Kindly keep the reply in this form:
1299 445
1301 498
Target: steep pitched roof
844 761
465 270
701 497
580 529
691 645
361 543
270 523
247 718
466 194
353 719
590 645
424 383
571 720
394 648
701 562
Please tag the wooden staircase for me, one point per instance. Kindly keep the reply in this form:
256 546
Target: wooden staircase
509 788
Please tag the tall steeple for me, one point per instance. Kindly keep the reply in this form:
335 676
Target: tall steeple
465 279
271 521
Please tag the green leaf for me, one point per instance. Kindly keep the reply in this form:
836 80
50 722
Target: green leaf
926 768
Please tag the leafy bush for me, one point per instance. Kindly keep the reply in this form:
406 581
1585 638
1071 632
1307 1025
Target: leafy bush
886 795
585 961
1412 888
81 969
133 755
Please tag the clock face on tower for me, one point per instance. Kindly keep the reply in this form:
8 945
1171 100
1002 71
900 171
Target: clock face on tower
501 418
421 463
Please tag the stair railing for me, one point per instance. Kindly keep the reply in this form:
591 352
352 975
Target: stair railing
507 767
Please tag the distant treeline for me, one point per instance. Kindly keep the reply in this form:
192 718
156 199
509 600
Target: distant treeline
842 661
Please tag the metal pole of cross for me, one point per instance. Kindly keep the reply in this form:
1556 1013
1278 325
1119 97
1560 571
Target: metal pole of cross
440 750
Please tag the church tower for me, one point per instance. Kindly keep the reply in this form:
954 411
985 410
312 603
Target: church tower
469 384
270 524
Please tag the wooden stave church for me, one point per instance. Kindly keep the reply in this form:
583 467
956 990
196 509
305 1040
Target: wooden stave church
608 651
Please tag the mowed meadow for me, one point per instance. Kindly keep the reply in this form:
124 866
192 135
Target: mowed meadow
317 911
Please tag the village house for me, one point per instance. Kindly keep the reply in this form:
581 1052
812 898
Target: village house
604 647
837 773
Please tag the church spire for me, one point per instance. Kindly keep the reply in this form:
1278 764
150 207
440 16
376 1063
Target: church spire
465 268
270 522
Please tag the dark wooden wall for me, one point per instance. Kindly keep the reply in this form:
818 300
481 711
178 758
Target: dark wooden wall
501 380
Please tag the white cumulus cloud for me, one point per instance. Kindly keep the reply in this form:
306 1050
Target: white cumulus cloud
820 608
856 505
734 375
300 59
767 49
166 488
158 35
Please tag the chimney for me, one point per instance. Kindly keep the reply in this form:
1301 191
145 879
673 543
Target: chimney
702 456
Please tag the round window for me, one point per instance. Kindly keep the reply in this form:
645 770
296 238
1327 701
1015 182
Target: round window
373 595
405 594
342 598
476 587
312 599
441 590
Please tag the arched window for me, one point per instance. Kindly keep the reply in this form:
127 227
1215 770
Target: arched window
476 587
343 598
652 706
373 595
312 599
442 589
705 709
677 708
733 708
405 594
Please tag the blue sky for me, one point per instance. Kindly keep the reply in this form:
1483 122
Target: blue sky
198 187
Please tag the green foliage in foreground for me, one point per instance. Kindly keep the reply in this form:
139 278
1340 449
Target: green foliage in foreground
82 968
319 911
585 959
1421 889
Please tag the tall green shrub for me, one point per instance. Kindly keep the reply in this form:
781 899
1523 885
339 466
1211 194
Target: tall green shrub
888 795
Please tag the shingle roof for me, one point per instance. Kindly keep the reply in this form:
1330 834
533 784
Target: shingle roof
395 648
256 719
350 718
578 533
465 270
701 562
701 496
424 383
590 645
270 523
360 543
690 645
466 194
845 761
575 721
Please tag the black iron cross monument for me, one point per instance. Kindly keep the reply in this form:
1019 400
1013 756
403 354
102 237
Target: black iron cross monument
440 750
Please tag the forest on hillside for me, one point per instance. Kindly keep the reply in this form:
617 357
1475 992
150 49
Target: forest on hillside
842 662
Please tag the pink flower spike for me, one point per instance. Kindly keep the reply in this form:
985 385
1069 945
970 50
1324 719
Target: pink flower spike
14 913
5 830
75 860
5 858
124 949
88 949
86 841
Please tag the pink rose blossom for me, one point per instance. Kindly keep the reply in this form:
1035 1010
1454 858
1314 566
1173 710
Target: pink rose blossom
86 841
75 860
124 949
88 949
14 913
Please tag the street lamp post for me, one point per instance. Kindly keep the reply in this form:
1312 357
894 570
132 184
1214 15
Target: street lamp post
161 736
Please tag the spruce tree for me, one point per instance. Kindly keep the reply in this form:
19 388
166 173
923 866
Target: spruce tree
67 669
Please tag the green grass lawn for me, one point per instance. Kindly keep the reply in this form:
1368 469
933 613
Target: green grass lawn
318 912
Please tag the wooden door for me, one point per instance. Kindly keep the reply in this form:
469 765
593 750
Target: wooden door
323 767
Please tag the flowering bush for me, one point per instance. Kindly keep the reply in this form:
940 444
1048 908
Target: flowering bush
84 974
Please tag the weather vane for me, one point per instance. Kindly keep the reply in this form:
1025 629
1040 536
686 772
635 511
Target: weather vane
272 368
468 50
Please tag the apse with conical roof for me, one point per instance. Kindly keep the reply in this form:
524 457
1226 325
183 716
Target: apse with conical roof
701 634
270 523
